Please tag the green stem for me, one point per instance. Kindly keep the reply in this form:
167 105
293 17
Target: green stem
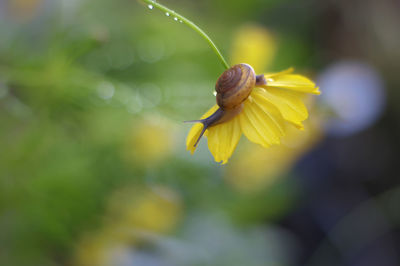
181 18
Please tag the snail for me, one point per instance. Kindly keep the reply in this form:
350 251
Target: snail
233 87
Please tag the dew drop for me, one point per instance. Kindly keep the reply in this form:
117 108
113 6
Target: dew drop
175 18
150 6
167 14
180 21
215 93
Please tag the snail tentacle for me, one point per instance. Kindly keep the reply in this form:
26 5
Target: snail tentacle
260 80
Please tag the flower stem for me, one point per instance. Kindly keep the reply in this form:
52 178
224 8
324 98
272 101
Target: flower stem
180 18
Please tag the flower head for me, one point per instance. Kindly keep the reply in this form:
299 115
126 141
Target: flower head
257 106
274 100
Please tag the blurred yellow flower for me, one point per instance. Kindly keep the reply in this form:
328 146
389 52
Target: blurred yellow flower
258 52
97 249
262 117
150 140
131 212
157 209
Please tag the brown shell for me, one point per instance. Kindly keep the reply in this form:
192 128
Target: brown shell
235 85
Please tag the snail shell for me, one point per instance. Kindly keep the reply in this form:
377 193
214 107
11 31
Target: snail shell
234 86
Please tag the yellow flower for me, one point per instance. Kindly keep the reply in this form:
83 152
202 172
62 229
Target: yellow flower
156 209
258 53
132 212
150 140
262 118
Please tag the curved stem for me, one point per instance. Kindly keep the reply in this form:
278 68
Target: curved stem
181 18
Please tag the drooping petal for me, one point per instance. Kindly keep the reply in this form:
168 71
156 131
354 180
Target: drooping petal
289 103
291 82
195 131
192 137
223 139
261 122
286 71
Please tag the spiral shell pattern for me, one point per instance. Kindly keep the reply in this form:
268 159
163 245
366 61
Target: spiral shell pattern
235 85
229 79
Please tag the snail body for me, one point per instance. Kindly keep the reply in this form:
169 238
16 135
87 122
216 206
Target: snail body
233 87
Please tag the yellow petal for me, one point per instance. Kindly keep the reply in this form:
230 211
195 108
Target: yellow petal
289 103
195 131
286 71
261 122
192 137
255 46
223 139
291 82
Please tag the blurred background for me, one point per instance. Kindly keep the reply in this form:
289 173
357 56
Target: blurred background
93 166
